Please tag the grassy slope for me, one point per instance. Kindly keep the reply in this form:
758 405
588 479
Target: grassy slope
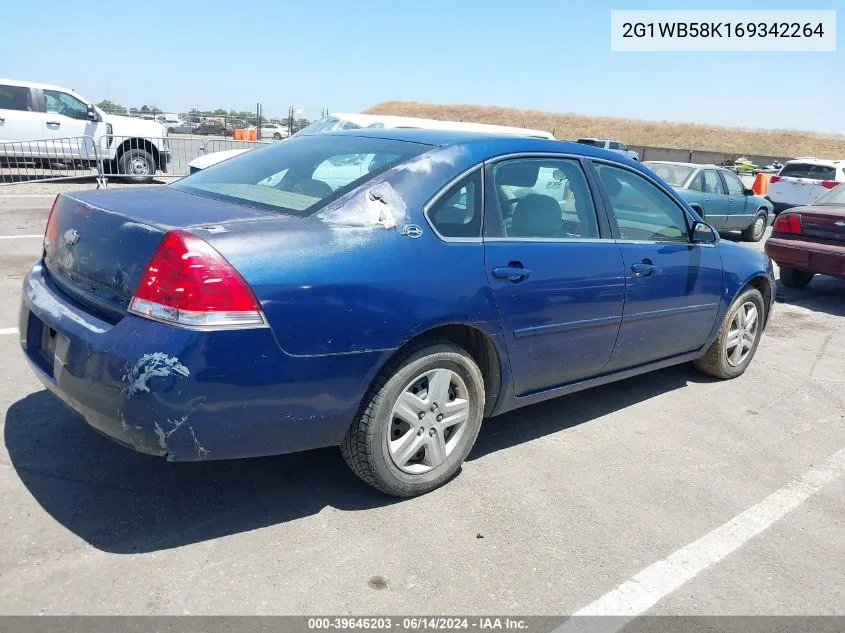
698 136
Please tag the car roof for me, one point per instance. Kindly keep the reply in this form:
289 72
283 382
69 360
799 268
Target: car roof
815 161
34 84
493 144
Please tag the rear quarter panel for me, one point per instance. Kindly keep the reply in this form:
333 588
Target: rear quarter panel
333 284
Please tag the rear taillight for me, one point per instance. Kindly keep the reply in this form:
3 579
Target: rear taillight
775 179
189 283
51 232
787 223
829 184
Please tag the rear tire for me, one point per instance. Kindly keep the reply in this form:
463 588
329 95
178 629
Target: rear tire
722 360
755 232
402 442
138 164
277 137
794 278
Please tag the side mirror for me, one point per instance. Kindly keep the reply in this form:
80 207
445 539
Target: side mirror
702 233
749 192
92 113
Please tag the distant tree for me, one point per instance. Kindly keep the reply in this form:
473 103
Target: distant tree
145 109
220 112
110 106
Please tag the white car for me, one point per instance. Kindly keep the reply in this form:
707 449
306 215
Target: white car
273 131
611 145
800 181
353 121
36 121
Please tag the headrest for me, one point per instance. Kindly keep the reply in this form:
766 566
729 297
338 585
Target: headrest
518 174
536 215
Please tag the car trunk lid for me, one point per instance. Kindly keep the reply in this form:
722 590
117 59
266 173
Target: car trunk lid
98 243
827 223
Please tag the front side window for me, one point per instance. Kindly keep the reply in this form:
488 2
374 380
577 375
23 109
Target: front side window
712 183
301 175
734 184
544 198
458 212
15 98
615 145
65 104
641 209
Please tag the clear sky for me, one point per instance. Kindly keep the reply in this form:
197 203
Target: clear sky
546 54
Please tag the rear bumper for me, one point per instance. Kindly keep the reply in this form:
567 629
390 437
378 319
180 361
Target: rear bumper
781 206
188 395
812 257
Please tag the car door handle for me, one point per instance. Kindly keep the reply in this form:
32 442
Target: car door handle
511 272
644 269
56 123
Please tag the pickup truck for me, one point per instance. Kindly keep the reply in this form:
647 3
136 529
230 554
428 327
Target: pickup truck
610 144
37 119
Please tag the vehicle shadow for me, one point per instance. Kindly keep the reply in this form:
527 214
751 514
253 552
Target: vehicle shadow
530 423
824 294
126 503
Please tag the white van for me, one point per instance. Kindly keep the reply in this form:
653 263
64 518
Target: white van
353 121
42 115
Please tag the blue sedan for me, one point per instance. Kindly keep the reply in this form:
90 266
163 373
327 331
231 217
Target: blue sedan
383 291
720 196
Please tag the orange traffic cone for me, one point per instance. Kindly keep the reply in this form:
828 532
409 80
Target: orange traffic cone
761 184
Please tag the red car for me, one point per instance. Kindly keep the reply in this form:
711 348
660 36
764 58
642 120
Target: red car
810 240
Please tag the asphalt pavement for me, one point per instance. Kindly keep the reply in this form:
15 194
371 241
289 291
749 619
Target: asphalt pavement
669 493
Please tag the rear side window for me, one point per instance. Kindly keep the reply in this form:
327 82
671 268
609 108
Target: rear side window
458 212
734 184
15 98
301 175
712 184
544 198
590 141
808 170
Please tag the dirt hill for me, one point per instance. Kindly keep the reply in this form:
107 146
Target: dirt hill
736 140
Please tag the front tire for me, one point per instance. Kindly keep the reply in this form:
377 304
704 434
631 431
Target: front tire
138 164
738 338
755 232
794 278
419 421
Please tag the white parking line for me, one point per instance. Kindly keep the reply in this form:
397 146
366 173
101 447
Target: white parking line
8 330
20 237
635 596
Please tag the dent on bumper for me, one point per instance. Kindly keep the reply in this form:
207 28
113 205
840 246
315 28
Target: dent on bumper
189 395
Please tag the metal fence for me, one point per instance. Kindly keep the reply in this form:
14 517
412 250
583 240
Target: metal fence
109 157
49 159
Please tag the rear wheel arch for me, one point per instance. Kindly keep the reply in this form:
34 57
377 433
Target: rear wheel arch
478 345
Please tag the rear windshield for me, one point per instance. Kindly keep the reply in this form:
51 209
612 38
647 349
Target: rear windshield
590 141
835 196
675 175
806 170
329 124
300 175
